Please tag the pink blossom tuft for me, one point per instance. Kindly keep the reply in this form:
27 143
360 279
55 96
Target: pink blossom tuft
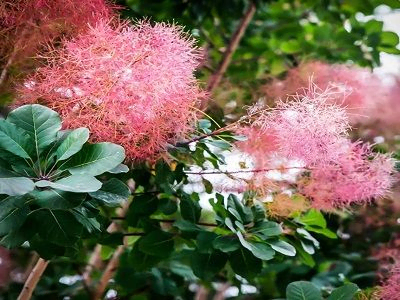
132 85
390 290
26 25
360 87
357 176
309 128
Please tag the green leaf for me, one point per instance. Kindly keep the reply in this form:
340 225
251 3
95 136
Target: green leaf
205 241
13 213
227 243
186 226
121 168
57 199
324 231
59 226
158 243
14 139
95 159
302 290
262 250
345 292
81 214
12 185
190 209
72 144
40 122
283 247
244 263
267 229
290 47
112 193
205 266
313 218
389 39
73 183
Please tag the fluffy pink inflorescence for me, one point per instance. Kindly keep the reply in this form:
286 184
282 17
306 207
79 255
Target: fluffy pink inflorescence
25 25
313 130
132 85
390 290
356 176
361 88
309 127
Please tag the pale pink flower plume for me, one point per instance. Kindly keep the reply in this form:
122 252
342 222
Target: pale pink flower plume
27 25
390 290
132 85
309 127
360 87
313 130
356 177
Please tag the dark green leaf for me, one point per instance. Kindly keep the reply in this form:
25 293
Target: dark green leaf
57 199
244 263
112 193
190 209
205 266
72 144
13 213
158 243
40 122
12 185
59 226
15 140
267 229
302 290
95 159
345 292
226 243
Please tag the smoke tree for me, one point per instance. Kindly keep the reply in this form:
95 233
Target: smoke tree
121 179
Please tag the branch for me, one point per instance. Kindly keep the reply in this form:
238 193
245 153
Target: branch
233 44
108 272
244 171
95 260
33 279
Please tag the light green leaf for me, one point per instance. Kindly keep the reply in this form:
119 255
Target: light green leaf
12 185
262 250
302 290
95 159
40 122
112 193
283 247
345 292
121 168
73 183
72 144
14 139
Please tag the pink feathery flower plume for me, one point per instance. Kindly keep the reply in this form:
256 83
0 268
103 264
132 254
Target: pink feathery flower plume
357 176
314 130
357 88
390 290
309 127
27 25
130 84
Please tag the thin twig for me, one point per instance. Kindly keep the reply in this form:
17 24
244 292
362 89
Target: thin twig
33 279
95 258
108 272
233 44
243 171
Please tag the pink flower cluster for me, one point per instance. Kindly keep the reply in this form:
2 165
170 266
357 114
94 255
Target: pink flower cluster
25 25
313 130
357 89
390 290
130 84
